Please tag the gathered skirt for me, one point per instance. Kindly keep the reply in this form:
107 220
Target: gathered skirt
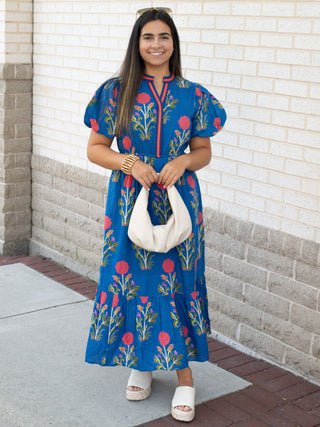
151 309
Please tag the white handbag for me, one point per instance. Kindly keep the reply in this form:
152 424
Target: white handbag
159 238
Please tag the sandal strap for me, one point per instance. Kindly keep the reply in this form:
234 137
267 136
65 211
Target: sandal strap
140 379
184 396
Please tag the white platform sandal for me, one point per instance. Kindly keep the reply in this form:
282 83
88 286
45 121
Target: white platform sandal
183 396
142 380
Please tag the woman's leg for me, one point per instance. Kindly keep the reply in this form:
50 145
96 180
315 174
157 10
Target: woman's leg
185 379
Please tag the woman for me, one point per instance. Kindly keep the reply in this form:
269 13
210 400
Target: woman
151 309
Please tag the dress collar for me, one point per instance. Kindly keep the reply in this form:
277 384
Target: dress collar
165 79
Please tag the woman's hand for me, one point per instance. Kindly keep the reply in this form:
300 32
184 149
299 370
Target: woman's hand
144 173
199 156
172 171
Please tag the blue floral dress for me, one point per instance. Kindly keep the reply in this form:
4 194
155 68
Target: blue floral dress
151 309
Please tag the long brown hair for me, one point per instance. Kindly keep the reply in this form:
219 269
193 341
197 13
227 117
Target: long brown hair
133 67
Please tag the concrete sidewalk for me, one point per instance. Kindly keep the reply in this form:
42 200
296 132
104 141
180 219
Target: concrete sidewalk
44 381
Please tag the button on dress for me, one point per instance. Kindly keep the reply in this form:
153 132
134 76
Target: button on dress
151 309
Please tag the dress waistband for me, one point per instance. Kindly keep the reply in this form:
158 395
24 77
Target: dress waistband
154 156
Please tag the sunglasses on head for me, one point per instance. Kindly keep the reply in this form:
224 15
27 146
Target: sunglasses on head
148 9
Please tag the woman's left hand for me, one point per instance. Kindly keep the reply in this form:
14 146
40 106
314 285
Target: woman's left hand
172 171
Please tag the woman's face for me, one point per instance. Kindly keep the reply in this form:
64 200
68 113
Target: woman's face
156 46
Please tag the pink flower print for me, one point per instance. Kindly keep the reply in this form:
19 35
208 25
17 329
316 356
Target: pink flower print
127 338
184 122
191 181
143 98
94 125
178 133
194 294
126 143
200 217
103 297
107 222
160 185
185 331
144 299
217 122
198 92
168 265
122 267
164 338
115 300
128 181
115 92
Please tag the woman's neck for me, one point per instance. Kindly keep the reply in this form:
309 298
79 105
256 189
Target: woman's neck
157 73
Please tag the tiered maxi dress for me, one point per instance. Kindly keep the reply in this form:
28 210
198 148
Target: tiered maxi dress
151 309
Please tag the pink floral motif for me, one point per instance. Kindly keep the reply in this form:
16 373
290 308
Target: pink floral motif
122 267
127 356
94 125
160 185
126 201
115 93
143 98
128 181
217 123
126 143
123 285
191 181
185 331
184 122
107 222
115 301
194 294
127 338
200 217
164 338
186 252
196 313
168 265
170 284
167 357
103 297
198 92
145 319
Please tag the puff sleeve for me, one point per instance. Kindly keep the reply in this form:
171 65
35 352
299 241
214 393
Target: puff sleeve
209 117
100 114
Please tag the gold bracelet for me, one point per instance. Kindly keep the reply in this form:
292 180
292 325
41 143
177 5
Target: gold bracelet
128 162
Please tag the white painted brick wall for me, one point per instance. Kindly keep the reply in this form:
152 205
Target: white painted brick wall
16 31
261 58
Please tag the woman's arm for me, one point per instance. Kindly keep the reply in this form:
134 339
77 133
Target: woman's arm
199 156
99 151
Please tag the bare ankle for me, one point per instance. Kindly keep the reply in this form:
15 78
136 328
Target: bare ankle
185 377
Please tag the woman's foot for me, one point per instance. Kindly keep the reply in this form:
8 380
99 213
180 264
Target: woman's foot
185 379
139 385
184 398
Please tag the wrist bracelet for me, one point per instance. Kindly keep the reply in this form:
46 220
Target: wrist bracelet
128 162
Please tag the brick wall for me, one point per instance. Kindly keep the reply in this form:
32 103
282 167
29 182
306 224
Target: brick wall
261 190
260 58
15 157
264 291
68 206
15 126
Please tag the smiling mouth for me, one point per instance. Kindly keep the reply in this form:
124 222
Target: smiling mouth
156 53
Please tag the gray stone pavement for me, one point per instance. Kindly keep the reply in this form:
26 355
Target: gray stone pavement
44 379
